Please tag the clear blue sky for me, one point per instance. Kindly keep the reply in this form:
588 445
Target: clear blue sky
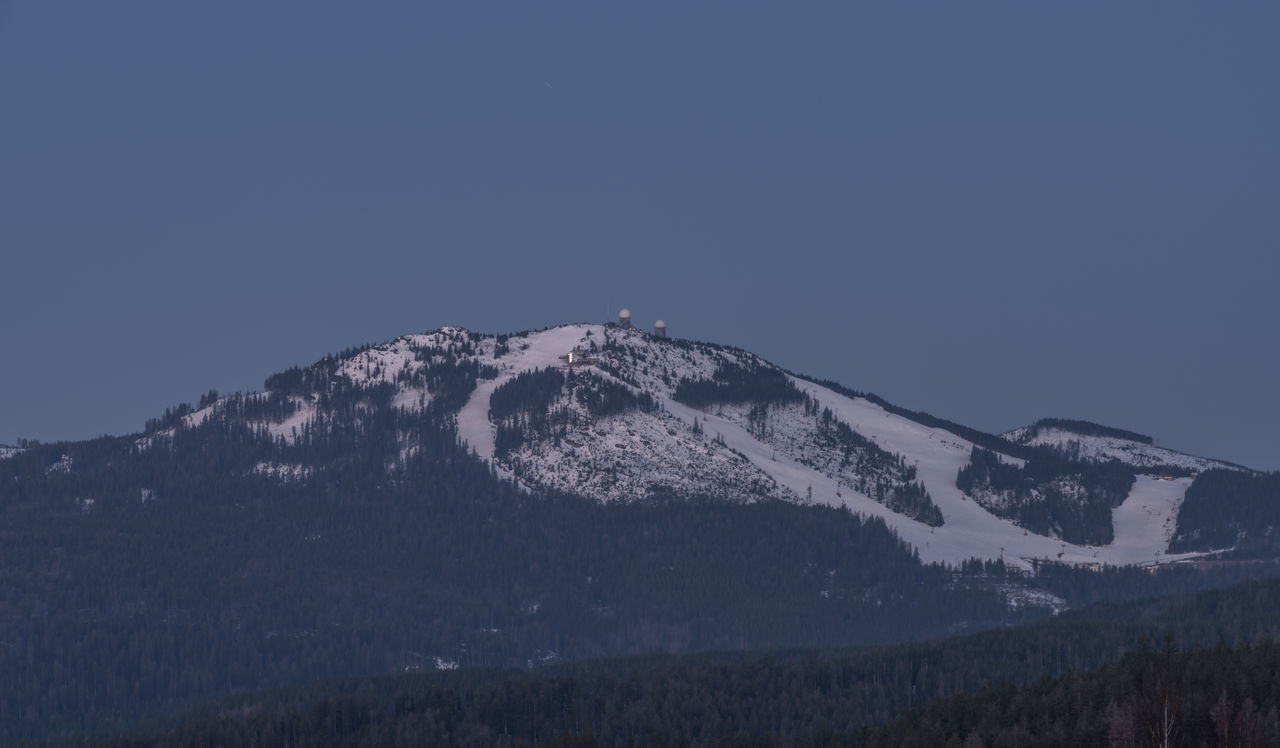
991 211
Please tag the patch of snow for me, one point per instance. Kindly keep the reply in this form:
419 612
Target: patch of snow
1105 448
407 452
412 399
192 420
144 443
284 473
443 663
63 465
6 451
1018 596
292 427
383 363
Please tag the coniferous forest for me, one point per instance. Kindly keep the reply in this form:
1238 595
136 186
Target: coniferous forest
1230 509
1092 677
182 585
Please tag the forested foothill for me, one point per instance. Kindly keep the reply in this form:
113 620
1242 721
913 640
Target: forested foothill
1231 509
1216 671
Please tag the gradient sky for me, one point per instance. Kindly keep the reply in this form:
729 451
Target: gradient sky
991 211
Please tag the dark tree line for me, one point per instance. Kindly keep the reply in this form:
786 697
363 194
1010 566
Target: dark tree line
738 383
832 697
1218 696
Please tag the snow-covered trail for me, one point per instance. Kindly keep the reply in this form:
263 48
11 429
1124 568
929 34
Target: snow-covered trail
536 351
1146 520
1142 522
475 430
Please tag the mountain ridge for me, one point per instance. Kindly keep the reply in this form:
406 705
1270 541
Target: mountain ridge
637 415
725 423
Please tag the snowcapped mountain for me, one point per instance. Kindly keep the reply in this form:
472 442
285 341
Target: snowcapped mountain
468 499
616 414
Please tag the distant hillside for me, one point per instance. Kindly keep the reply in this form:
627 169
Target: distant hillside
1083 428
1090 442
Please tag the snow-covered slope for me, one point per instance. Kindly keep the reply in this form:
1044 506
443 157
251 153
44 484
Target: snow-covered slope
623 457
642 416
7 451
630 455
1092 447
969 529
